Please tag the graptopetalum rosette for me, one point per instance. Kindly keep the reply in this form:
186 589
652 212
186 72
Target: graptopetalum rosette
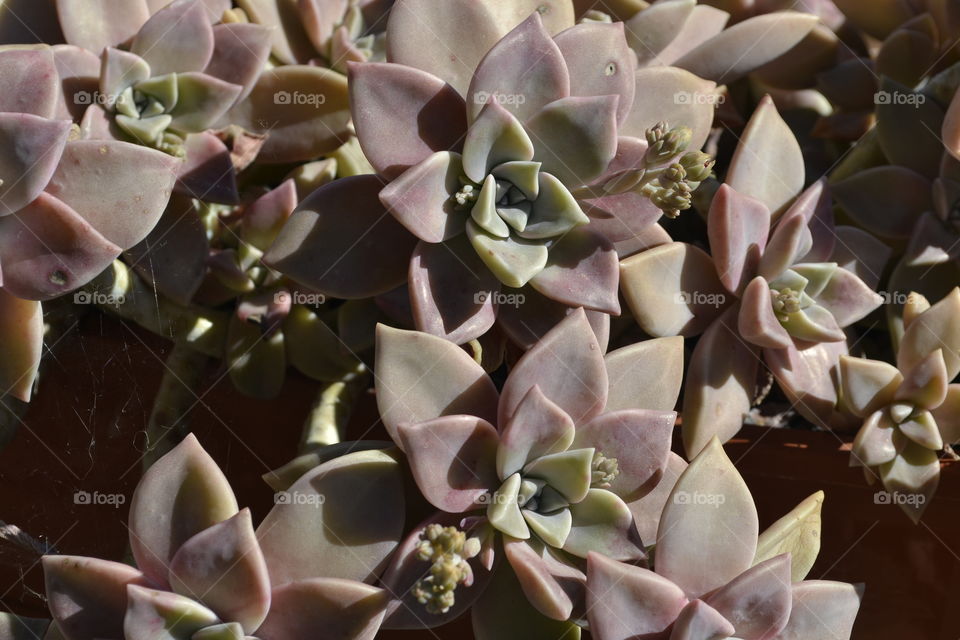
580 440
68 207
910 411
714 577
204 573
778 282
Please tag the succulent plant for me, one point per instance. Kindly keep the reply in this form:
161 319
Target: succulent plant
714 577
910 411
577 440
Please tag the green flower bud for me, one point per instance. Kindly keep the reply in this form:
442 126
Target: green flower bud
698 165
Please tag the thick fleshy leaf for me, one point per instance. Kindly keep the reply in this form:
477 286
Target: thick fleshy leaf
639 440
688 99
239 53
874 444
649 31
767 164
341 241
120 189
568 366
513 261
922 429
495 137
353 507
816 207
87 597
937 328
798 534
161 615
708 531
176 39
551 584
672 289
789 242
582 271
290 42
913 474
223 568
402 115
925 384
421 377
79 74
625 602
738 227
121 70
523 72
645 375
757 602
603 523
723 58
861 253
808 374
947 415
848 298
700 620
886 200
503 510
576 138
95 24
422 198
600 62
703 23
34 147
32 82
183 493
908 124
647 510
47 250
757 322
256 359
868 385
554 212
822 609
21 325
452 459
537 427
264 217
201 101
326 609
525 324
207 172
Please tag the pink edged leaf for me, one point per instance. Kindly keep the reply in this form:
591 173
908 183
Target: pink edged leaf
721 378
207 172
885 200
525 320
452 293
650 31
553 585
223 568
538 427
177 617
402 115
600 62
421 377
757 602
947 415
503 612
406 568
575 138
848 298
121 189
937 328
47 250
87 597
325 609
495 137
421 199
264 217
709 528
353 507
626 215
925 385
757 322
626 602
120 70
816 207
699 620
568 366
860 253
914 472
320 19
868 385
789 242
645 375
340 241
808 374
687 99
79 73
95 24
34 146
738 227
646 510
31 81
201 101
822 609
453 459
602 522
183 493
240 51
768 164
639 439
21 328
176 38
672 289
582 271
524 71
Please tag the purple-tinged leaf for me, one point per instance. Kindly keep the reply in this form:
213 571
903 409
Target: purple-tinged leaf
699 620
646 375
582 271
240 51
822 609
162 615
868 385
757 602
538 427
600 62
96 24
553 585
738 227
34 147
421 199
176 39
757 322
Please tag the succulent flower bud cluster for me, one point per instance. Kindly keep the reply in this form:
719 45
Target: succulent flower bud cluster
447 549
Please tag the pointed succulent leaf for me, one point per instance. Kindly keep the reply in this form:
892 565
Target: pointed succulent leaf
555 587
201 101
647 510
915 471
182 494
649 31
525 324
161 615
358 522
176 39
554 212
885 200
822 609
603 523
87 597
738 227
947 415
685 97
868 385
568 472
240 51
645 375
537 427
757 602
848 298
513 261
757 322
32 82
101 23
937 328
582 270
402 115
289 42
908 127
600 62
925 385
708 531
790 242
625 601
326 609
768 164
552 528
874 444
798 534
34 147
861 253
421 199
504 513
922 429
700 620
495 137
807 374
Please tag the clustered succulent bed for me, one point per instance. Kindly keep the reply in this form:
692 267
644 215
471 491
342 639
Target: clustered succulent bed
546 235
